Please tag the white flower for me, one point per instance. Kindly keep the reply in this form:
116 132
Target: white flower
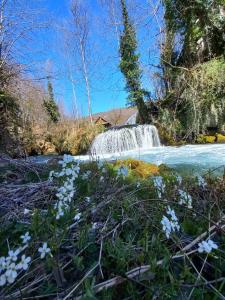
60 209
51 175
68 186
3 263
100 164
138 184
2 279
25 238
68 171
24 263
185 198
207 246
26 211
166 226
95 225
122 171
201 181
61 174
44 250
159 185
170 225
86 175
77 169
87 199
68 158
77 217
171 213
60 213
179 179
11 273
12 255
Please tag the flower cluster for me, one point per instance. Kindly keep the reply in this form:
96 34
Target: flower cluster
101 167
170 224
185 198
179 179
77 217
70 171
207 246
159 185
201 181
11 264
122 171
100 164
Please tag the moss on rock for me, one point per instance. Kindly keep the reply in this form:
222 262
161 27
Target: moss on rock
139 167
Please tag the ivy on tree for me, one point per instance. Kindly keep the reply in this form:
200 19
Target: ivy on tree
10 124
129 66
193 65
51 106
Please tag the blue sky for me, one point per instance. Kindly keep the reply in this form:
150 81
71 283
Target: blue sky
107 82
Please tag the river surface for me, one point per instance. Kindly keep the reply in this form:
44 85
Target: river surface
185 159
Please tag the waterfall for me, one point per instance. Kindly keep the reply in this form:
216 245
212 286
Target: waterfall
125 138
132 119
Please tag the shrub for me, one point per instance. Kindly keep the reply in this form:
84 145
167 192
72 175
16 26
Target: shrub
220 138
209 139
205 139
72 137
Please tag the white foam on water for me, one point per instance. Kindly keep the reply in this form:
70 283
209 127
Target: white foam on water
202 157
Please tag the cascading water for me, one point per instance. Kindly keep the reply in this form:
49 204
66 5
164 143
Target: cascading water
132 119
125 138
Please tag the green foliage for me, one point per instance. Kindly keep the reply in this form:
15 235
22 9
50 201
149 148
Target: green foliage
50 105
191 21
129 66
197 100
193 71
127 235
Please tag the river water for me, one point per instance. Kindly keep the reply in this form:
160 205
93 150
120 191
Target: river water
190 159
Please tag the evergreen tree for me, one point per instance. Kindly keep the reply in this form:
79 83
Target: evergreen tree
10 125
129 66
50 105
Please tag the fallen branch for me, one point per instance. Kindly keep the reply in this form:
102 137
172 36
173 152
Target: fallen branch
136 272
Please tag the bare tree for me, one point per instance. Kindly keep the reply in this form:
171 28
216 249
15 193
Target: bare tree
81 35
114 16
67 57
18 22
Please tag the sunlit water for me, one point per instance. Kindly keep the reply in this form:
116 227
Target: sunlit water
187 159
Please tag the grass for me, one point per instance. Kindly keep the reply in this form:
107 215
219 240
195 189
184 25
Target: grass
117 249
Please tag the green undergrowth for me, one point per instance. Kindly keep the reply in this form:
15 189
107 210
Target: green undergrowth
112 228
